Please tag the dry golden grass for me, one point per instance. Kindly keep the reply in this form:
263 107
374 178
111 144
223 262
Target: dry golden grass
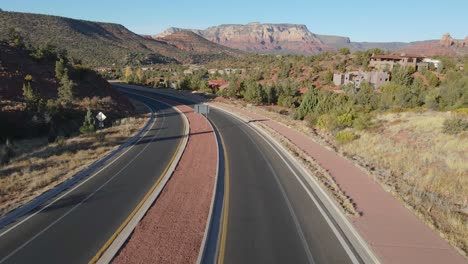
39 166
423 166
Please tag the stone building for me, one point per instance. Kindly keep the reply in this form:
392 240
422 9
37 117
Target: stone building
376 79
387 62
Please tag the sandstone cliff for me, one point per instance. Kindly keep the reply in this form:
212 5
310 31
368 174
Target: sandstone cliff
263 38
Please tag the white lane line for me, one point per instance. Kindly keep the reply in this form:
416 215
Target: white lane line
87 198
285 197
330 223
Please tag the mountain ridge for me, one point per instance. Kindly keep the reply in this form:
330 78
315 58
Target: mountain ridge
98 43
313 43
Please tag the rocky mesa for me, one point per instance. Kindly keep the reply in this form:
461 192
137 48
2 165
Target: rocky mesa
262 38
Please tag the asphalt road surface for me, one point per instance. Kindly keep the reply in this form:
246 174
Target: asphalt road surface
270 214
75 227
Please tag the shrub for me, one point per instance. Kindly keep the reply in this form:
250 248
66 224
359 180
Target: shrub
345 136
362 121
6 153
311 119
60 141
454 126
344 120
88 124
326 122
87 129
100 137
461 111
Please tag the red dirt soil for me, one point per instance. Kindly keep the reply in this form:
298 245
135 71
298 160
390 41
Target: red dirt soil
395 234
173 228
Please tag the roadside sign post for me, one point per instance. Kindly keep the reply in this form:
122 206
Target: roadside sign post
101 117
202 109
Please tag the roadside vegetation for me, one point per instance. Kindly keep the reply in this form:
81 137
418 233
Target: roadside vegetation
36 165
48 131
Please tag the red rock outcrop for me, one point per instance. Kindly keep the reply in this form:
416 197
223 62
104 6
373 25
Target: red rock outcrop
264 38
448 41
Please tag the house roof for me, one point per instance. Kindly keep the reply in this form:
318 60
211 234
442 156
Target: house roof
217 83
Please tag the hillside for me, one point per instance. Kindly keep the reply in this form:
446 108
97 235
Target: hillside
18 122
95 43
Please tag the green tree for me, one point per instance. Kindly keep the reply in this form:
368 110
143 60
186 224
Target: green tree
285 69
345 51
309 103
231 90
66 90
366 97
327 78
432 79
59 69
88 124
254 92
15 39
31 97
271 94
204 87
184 84
401 76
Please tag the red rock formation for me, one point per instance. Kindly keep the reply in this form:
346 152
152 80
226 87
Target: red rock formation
448 41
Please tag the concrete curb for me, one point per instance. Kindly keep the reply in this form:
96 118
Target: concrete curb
125 233
351 234
88 172
201 251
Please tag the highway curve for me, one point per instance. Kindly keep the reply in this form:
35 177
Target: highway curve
74 228
269 212
270 216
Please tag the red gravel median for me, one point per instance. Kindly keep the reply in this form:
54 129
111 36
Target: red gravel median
172 230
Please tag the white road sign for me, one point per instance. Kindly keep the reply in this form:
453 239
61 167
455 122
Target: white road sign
101 117
202 109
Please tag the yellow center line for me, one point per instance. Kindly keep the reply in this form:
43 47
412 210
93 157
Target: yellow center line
224 224
132 214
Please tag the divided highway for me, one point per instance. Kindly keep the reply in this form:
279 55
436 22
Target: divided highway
270 214
74 228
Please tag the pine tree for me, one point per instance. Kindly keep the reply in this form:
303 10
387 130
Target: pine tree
59 69
66 91
88 124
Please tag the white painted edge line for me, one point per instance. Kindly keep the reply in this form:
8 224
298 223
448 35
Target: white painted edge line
77 180
114 248
210 214
349 230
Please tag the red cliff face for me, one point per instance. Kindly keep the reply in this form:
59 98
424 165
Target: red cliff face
448 41
263 38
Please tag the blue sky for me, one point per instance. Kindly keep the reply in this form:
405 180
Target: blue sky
361 20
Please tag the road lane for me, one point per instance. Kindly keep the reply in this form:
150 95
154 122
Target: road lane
271 217
75 227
